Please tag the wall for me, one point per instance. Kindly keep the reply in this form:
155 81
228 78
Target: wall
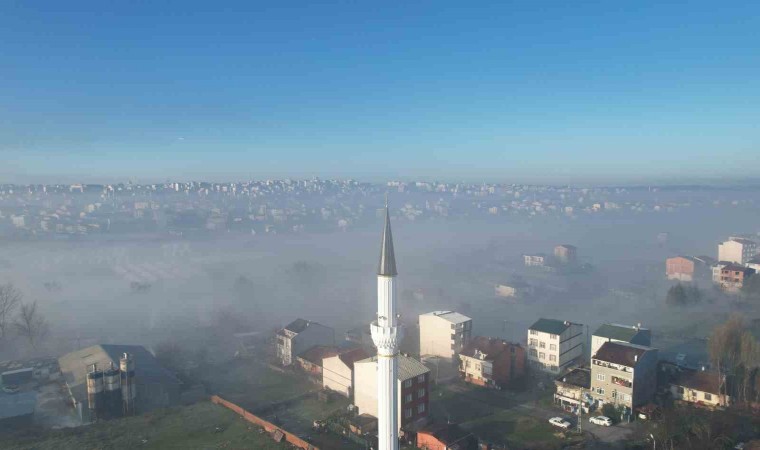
336 375
268 426
314 334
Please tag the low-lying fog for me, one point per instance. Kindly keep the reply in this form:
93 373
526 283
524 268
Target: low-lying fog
131 290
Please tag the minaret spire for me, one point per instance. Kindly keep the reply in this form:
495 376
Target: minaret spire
387 265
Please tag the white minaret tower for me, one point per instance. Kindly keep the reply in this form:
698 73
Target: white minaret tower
386 335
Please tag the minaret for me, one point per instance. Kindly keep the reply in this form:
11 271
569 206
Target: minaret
386 335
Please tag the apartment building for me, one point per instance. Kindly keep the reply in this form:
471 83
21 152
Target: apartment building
554 345
444 333
299 336
733 276
624 374
338 371
491 362
537 260
566 254
680 268
413 379
614 332
737 250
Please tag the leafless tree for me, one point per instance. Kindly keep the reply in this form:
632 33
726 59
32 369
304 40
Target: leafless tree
10 297
30 324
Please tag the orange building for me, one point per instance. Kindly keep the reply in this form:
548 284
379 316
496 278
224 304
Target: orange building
491 362
446 437
680 268
732 277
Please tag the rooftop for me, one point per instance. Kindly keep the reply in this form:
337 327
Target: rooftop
617 332
408 367
579 376
551 326
317 353
451 316
297 325
621 353
446 433
18 404
351 356
705 381
490 347
736 268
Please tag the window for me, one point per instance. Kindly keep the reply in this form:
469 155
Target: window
614 394
542 355
533 352
421 408
708 396
554 369
554 336
534 332
408 398
421 378
553 347
600 391
421 393
600 377
408 383
533 342
553 358
408 413
542 345
626 397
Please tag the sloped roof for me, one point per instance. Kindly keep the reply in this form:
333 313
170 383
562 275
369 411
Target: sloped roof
351 356
447 434
551 326
297 325
621 353
617 332
705 381
491 347
580 376
317 353
408 367
74 365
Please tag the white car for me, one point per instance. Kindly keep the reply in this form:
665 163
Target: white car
559 422
601 420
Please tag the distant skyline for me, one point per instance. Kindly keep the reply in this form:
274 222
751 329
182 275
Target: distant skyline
580 93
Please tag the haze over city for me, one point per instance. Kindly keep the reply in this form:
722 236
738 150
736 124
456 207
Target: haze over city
196 205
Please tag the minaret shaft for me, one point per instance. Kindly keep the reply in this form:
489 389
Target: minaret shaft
386 335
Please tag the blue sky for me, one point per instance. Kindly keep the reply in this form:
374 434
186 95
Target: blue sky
506 91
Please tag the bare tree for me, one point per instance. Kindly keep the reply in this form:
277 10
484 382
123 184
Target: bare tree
10 297
30 324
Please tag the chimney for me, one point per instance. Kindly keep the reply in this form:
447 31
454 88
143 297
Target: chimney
636 358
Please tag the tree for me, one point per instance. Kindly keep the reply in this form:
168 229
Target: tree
10 297
30 324
679 295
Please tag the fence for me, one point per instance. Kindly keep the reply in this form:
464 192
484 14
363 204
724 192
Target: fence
268 426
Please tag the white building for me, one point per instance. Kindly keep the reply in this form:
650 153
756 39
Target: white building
411 384
299 336
444 333
737 250
534 260
613 332
338 371
554 345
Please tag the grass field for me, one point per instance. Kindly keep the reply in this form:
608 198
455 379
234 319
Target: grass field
200 426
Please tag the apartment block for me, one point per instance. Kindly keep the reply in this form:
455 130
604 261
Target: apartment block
624 374
554 345
444 333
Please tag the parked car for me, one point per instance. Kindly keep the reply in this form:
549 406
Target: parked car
601 420
11 389
559 422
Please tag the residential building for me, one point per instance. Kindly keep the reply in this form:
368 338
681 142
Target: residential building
536 260
413 378
700 387
338 370
566 254
614 332
156 386
446 437
573 388
311 360
732 277
737 250
444 333
680 268
554 345
513 289
754 264
491 362
624 374
716 270
299 336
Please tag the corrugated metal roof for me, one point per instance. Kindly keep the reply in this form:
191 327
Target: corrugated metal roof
408 367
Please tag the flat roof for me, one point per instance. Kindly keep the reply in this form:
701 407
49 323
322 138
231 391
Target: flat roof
617 331
18 404
451 316
551 326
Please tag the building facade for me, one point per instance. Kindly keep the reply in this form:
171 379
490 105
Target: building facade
300 335
491 362
679 268
311 360
537 260
699 388
737 250
338 371
412 387
733 276
624 374
554 345
444 333
613 332
572 389
566 254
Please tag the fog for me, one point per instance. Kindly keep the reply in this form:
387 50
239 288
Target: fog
149 290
